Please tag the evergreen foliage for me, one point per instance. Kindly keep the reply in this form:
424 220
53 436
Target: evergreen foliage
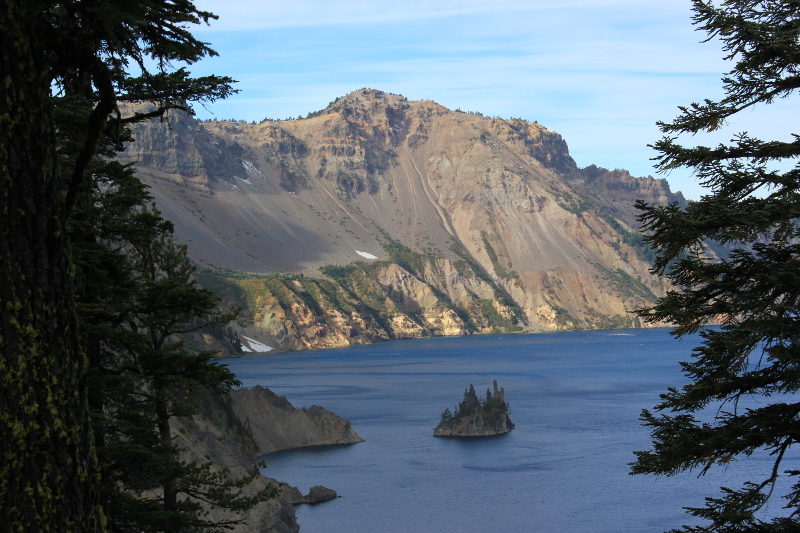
141 376
337 272
493 410
95 292
447 416
744 377
136 297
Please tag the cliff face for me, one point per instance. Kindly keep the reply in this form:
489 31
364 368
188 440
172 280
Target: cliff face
200 439
276 425
368 302
460 222
256 422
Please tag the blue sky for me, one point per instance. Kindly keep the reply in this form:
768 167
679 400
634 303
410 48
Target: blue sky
599 72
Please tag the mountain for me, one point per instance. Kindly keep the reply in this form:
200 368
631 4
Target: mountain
379 218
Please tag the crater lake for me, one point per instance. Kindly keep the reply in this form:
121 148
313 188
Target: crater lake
575 398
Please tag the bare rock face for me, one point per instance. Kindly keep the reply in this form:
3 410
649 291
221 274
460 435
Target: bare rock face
200 439
476 418
277 425
319 494
274 425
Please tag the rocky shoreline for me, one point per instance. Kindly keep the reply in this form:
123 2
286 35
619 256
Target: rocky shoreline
235 433
277 425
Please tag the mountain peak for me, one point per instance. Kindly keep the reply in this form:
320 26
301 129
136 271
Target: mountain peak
465 215
364 98
374 95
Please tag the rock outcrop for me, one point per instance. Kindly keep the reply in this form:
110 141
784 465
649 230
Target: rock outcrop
254 422
276 425
317 494
204 439
476 418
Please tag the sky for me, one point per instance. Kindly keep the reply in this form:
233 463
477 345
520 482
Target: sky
599 72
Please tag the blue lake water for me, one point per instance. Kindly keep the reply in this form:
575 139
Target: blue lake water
575 399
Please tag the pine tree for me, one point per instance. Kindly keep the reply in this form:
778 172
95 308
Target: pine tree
136 298
82 51
447 416
144 377
741 398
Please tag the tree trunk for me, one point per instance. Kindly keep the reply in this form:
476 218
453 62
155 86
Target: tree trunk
164 430
48 473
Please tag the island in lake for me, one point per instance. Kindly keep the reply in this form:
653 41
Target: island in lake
476 418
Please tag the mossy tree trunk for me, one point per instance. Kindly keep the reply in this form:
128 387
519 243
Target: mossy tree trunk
57 59
48 474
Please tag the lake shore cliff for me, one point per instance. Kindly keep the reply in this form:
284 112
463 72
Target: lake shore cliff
232 433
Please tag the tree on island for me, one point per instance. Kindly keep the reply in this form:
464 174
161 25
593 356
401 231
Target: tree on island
446 416
473 417
741 398
87 322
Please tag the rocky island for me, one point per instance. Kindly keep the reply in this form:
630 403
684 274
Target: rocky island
476 418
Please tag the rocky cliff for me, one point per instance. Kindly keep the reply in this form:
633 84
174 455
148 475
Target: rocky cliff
405 218
276 425
476 418
253 422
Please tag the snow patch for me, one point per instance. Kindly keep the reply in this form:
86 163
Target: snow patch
252 170
254 346
367 255
247 181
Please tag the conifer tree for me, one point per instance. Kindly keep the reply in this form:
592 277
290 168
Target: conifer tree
94 53
136 297
144 376
741 397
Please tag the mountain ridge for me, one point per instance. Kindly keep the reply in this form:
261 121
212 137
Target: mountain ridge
469 218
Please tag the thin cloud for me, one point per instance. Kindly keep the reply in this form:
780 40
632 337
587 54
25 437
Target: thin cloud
599 72
252 14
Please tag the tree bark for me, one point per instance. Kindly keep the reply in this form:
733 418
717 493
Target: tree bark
48 474
164 430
